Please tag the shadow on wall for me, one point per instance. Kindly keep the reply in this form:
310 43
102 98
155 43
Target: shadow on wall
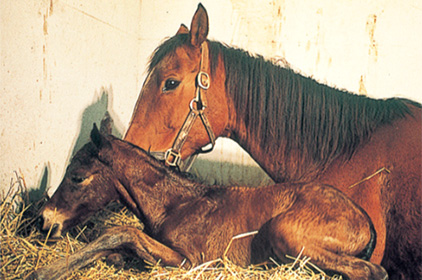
35 194
94 113
19 193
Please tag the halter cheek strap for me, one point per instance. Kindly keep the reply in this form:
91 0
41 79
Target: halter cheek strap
197 107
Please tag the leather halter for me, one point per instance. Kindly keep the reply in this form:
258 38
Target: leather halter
198 104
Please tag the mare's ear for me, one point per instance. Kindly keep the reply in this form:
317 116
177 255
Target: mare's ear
183 29
106 124
102 144
199 26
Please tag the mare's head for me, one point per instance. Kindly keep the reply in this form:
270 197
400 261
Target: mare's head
88 186
165 98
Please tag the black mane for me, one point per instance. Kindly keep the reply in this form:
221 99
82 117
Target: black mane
280 106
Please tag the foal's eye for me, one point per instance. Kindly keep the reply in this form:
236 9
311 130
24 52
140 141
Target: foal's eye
170 84
78 179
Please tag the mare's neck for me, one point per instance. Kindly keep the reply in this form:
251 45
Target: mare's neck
293 126
268 162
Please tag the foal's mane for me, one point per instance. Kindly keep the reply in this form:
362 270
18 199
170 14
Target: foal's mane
311 123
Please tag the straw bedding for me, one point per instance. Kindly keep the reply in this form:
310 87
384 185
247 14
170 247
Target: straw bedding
24 249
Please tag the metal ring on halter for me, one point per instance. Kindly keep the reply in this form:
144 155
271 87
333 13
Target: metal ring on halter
207 80
176 157
196 109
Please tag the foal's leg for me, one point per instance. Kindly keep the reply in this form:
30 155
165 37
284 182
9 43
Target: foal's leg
352 267
117 238
284 240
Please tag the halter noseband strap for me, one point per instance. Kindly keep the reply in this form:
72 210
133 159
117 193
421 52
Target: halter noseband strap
197 107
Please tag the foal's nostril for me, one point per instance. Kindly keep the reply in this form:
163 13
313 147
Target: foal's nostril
39 223
45 230
54 229
50 231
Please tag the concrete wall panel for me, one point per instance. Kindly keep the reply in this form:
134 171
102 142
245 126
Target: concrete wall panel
64 63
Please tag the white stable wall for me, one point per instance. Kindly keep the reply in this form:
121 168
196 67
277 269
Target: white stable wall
65 62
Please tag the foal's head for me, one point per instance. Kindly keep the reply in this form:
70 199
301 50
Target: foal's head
88 185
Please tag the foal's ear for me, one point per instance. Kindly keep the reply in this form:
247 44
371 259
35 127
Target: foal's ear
101 143
199 26
183 29
96 136
106 124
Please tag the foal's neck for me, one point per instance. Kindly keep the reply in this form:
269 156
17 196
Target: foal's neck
153 187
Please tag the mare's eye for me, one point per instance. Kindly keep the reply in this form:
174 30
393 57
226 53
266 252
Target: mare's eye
78 179
170 84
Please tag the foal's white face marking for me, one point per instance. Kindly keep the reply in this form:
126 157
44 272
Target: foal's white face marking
52 217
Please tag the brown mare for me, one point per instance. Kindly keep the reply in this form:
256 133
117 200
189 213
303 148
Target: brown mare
297 129
187 223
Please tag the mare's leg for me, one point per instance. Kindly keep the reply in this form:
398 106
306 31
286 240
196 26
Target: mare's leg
403 251
117 238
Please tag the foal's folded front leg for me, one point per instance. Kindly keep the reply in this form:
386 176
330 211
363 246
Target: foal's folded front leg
117 238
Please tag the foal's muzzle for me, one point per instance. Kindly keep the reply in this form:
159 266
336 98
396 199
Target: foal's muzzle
48 231
51 222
